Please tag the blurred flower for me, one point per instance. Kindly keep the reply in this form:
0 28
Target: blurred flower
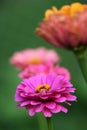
45 93
36 56
33 70
65 28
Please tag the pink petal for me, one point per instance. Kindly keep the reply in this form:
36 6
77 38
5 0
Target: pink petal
43 79
50 78
28 89
56 109
24 103
43 97
65 110
50 105
39 108
57 83
66 83
71 97
71 89
31 111
35 81
34 102
62 71
28 84
43 94
47 112
61 99
57 96
18 98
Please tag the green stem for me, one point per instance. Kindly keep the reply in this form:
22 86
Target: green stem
41 121
49 123
82 59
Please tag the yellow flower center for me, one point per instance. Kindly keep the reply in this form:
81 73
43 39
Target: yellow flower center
35 61
42 87
69 10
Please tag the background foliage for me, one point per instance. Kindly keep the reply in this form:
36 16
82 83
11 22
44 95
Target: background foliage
18 20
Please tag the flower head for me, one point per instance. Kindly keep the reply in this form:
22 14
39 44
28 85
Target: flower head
65 27
36 56
45 93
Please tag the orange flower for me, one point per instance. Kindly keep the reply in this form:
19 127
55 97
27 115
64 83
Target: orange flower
65 27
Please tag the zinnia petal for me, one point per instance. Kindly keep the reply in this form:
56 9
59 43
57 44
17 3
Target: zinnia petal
47 112
50 105
39 108
56 109
31 111
63 109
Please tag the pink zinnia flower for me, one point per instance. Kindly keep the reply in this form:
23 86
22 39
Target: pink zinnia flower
65 27
33 70
45 93
33 56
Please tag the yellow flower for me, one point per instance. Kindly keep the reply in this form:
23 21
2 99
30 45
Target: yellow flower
65 27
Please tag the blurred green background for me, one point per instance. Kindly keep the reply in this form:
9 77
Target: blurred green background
18 20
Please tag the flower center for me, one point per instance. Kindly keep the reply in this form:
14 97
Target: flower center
42 87
35 61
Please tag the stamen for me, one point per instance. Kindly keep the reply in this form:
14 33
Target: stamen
42 87
35 61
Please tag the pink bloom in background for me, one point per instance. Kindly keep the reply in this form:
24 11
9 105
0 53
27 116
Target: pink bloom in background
45 93
37 56
62 71
33 70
